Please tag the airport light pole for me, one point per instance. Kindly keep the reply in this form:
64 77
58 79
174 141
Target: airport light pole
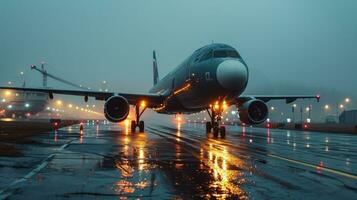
293 111
301 111
341 106
326 108
308 109
347 101
22 74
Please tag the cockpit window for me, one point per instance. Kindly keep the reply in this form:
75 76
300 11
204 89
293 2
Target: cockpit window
226 54
206 56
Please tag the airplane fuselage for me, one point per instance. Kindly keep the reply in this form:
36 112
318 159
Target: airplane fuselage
212 73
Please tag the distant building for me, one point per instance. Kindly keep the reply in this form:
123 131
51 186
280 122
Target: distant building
331 119
348 117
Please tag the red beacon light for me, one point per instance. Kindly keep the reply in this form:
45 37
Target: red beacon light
81 126
318 98
268 125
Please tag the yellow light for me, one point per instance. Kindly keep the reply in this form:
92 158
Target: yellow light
70 105
59 102
126 123
143 104
327 106
307 109
347 100
77 107
7 93
224 106
216 106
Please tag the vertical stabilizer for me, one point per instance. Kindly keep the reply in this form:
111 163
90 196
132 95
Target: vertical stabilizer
154 67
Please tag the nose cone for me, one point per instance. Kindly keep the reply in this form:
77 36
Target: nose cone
232 75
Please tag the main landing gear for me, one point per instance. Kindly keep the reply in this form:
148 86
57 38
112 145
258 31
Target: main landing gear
137 122
215 123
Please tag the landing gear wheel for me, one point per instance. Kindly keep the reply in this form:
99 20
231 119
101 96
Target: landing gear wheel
208 127
215 131
133 126
223 131
141 126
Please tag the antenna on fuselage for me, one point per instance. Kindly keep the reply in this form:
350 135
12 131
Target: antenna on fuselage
155 69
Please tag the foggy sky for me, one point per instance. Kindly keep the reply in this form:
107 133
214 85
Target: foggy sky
291 47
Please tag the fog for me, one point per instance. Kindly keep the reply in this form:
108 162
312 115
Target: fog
291 47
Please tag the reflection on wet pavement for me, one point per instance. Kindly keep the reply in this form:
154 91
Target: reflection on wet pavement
179 161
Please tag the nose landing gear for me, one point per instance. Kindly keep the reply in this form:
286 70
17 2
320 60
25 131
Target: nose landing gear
215 123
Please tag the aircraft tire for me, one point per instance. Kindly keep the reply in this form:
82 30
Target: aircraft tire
208 127
223 131
215 131
141 126
133 126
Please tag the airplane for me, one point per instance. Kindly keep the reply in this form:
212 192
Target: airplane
212 78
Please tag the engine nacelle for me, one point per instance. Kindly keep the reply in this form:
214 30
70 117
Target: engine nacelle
253 111
116 109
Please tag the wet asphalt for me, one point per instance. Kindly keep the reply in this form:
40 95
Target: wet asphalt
179 161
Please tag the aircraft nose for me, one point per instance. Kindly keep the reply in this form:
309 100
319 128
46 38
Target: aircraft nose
232 75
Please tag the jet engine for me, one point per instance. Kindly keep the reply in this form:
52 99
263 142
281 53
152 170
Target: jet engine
116 109
253 111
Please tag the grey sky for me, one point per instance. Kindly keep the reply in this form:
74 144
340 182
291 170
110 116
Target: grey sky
286 44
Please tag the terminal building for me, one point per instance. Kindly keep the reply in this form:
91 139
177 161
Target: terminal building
348 117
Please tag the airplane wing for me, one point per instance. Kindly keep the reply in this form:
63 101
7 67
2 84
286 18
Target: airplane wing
287 98
151 100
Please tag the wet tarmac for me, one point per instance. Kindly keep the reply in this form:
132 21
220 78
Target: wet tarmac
179 161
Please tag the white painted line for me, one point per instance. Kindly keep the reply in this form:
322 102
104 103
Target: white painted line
8 191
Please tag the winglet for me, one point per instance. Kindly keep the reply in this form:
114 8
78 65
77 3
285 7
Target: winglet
155 69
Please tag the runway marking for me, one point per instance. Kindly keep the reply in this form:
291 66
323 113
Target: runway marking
322 168
9 190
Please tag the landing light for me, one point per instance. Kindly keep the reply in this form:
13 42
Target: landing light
143 104
224 106
59 102
7 93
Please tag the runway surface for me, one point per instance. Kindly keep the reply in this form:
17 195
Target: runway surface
179 161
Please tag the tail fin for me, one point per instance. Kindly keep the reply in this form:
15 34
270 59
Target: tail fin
155 70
